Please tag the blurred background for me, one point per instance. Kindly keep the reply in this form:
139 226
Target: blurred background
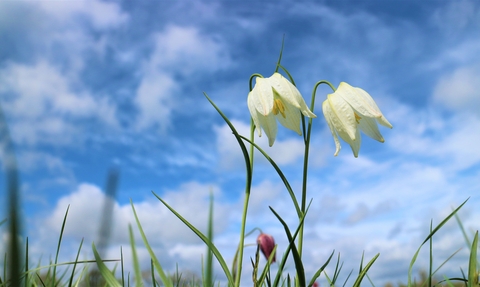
90 85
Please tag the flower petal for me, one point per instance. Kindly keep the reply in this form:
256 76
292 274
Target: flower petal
262 96
344 113
360 100
289 93
362 103
336 126
291 119
328 114
370 128
269 125
254 112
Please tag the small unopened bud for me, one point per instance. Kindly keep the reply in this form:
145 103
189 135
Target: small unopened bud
267 244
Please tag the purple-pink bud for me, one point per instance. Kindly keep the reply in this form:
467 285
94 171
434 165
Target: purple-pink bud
267 244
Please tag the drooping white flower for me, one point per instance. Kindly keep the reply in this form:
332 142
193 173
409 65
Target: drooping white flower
275 98
349 110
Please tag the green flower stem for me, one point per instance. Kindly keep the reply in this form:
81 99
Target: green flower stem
247 197
305 159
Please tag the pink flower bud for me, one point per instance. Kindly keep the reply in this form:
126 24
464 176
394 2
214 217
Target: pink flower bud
267 243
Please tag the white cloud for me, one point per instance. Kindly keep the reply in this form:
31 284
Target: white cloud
456 15
176 50
44 104
187 50
155 100
458 90
103 15
426 134
164 231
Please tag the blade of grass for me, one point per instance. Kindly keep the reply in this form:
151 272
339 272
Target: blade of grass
75 264
59 244
267 266
209 258
106 273
320 270
165 279
364 271
440 225
214 249
136 263
280 173
248 184
472 263
296 257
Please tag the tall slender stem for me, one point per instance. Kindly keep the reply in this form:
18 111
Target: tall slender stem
307 134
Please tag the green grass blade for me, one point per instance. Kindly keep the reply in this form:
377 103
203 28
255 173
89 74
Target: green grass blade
136 263
209 258
320 270
412 262
122 266
280 173
267 266
214 249
364 271
248 184
59 244
70 283
296 256
166 280
464 232
106 273
472 264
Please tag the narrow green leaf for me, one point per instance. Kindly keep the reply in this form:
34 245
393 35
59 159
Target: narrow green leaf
296 257
364 271
136 263
106 273
472 264
70 283
280 173
209 258
59 244
214 249
166 280
412 262
320 270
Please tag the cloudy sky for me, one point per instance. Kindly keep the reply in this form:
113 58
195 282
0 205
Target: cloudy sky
87 86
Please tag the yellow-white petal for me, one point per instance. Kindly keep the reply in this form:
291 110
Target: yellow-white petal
345 115
262 96
292 118
328 113
289 93
370 128
362 103
336 126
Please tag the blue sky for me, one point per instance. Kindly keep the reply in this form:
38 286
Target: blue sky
90 85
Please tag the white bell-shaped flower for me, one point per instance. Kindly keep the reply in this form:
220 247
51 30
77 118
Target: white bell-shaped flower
349 110
275 98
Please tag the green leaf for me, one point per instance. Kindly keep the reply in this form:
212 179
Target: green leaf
106 273
136 263
296 256
364 271
166 280
205 239
472 264
280 173
428 237
320 270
